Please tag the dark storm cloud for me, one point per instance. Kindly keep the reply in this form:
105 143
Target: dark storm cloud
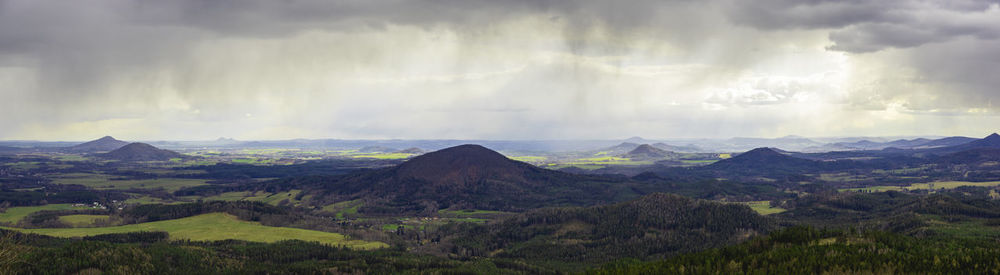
799 14
868 26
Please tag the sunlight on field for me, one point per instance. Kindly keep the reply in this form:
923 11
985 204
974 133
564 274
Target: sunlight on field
384 155
344 208
212 227
762 207
923 186
468 212
228 196
14 214
529 158
602 161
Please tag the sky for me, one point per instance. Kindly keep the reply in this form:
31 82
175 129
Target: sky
492 69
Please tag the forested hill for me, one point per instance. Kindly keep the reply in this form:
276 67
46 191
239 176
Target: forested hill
464 177
141 152
650 227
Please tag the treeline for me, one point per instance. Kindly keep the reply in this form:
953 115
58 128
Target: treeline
893 211
50 218
318 167
806 250
244 210
150 254
57 195
653 226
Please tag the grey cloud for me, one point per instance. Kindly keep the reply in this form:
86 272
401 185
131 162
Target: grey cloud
869 26
81 53
808 14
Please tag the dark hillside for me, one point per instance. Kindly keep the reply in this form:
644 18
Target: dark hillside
652 226
141 152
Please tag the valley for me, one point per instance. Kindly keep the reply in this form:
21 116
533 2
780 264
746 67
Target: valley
550 212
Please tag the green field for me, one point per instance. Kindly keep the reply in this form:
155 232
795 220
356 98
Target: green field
764 207
254 161
24 165
555 166
146 200
607 161
275 198
101 181
228 196
533 159
344 208
70 158
14 214
81 220
761 207
261 196
214 226
701 161
468 212
923 186
383 155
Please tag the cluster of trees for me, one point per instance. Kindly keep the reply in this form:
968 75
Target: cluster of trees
57 194
892 211
149 253
806 250
316 167
649 227
245 210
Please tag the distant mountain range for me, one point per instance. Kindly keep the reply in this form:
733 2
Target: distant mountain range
991 141
919 143
610 147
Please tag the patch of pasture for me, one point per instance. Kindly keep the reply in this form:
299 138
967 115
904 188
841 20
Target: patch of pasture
213 227
939 185
15 214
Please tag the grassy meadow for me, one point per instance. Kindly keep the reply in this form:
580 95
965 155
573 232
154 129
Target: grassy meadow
14 214
214 226
923 186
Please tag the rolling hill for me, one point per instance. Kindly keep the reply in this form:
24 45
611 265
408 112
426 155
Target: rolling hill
103 144
141 152
690 148
412 150
463 177
646 151
763 160
619 149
